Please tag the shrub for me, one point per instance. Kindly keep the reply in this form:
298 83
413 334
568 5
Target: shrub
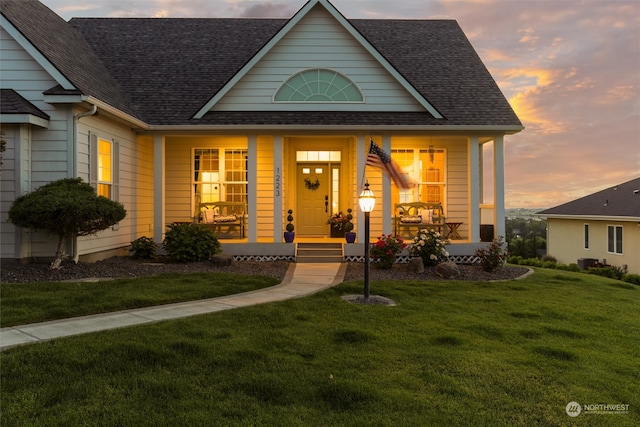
385 251
514 259
569 267
143 247
609 271
430 246
548 264
190 242
493 256
549 258
632 278
67 208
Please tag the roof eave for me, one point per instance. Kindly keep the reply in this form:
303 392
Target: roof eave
24 118
591 217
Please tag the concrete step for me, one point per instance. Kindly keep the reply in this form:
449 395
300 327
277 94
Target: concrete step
319 252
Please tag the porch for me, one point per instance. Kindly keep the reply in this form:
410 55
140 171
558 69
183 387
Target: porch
460 251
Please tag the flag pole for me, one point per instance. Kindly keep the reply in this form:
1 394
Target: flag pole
364 170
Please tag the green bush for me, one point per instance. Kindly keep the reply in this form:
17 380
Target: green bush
143 247
514 259
569 267
610 271
67 208
632 278
549 258
190 242
548 264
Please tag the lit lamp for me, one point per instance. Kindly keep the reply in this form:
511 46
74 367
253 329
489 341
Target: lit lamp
367 202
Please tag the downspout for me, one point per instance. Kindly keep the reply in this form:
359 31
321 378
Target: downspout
74 162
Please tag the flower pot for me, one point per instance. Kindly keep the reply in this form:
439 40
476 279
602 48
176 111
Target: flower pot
350 236
289 236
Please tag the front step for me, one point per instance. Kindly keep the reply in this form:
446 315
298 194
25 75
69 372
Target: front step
319 252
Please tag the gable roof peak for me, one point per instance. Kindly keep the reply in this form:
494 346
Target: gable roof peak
350 28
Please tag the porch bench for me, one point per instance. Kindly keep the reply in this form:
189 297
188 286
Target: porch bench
226 216
418 215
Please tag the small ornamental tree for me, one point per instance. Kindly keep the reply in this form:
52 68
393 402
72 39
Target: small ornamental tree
67 208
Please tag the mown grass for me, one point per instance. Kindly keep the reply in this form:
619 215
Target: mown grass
24 303
450 353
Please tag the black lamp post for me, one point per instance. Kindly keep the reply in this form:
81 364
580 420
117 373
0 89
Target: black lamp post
367 202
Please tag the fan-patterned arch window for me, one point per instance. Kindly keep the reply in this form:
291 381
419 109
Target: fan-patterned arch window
318 85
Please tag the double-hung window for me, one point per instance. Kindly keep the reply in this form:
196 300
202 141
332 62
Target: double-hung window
614 239
104 167
586 236
427 168
220 175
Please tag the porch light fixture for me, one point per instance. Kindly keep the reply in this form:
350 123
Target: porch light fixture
367 202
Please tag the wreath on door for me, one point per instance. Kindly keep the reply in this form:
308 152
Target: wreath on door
311 185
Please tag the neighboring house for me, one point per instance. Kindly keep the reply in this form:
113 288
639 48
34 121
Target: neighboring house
169 115
602 227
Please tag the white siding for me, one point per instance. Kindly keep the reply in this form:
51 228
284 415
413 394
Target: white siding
50 158
318 41
135 163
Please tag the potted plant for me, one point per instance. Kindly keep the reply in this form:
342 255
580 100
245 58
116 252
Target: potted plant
289 235
337 222
349 235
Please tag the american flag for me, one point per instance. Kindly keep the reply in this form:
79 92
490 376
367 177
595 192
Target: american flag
378 158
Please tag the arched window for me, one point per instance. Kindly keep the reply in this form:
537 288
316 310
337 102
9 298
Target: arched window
318 85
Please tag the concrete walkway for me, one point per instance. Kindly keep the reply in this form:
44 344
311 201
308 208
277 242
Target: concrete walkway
300 280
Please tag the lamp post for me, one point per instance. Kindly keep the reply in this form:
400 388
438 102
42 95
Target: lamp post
367 201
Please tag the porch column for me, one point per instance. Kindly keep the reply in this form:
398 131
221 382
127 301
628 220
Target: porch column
277 188
474 189
386 190
158 188
361 162
252 187
498 186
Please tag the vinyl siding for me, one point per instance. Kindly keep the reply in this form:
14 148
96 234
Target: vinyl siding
317 42
566 242
265 196
135 186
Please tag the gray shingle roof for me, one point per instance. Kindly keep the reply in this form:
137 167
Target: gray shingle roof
12 102
66 49
621 200
169 68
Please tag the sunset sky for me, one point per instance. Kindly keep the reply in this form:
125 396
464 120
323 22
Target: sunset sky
570 69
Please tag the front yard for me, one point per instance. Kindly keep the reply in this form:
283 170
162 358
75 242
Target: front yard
450 353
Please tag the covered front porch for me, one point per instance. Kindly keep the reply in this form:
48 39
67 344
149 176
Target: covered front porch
317 175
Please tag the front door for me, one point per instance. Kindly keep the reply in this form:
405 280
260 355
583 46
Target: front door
314 204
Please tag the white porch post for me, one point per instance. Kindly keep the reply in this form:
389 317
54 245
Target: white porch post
361 162
158 188
386 190
277 188
498 186
252 187
474 189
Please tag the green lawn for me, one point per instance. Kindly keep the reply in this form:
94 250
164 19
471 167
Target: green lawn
449 354
24 303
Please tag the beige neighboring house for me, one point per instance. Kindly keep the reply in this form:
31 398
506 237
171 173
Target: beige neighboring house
602 227
173 117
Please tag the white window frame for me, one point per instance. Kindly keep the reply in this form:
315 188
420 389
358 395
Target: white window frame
616 242
586 235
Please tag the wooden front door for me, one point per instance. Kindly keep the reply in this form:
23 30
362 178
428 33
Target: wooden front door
313 195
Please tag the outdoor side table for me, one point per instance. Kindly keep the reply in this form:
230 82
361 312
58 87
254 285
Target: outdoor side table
453 230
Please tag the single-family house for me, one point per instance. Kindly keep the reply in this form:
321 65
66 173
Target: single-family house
603 227
232 122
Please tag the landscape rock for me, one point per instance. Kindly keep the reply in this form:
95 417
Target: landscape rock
448 270
416 265
222 260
